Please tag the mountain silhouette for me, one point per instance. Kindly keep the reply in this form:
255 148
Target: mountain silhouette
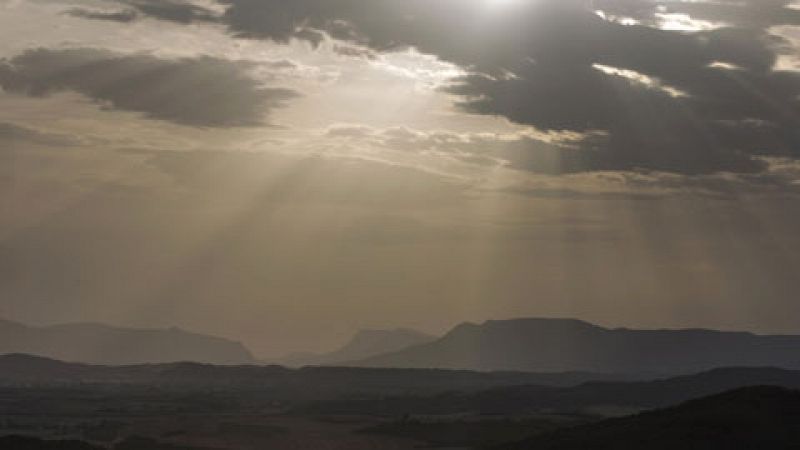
103 344
760 417
557 345
364 344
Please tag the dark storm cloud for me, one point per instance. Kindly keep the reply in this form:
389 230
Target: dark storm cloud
537 64
711 128
169 10
172 10
686 102
201 91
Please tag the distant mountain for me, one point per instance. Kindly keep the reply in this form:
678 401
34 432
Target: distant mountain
364 344
102 344
557 345
748 418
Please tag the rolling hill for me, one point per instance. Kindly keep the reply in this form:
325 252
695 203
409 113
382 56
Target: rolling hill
760 417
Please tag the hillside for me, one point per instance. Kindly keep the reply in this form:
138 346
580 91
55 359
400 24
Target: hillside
103 344
557 345
593 396
749 418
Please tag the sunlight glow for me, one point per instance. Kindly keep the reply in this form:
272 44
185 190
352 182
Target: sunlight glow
616 19
640 79
501 2
501 5
684 22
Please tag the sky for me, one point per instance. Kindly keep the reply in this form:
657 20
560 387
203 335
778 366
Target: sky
286 172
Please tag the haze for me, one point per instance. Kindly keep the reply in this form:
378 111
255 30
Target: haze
283 173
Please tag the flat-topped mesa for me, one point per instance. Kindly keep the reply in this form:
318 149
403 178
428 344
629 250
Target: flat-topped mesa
556 345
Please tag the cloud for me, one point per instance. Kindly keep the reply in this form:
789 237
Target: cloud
200 91
472 148
182 12
665 100
538 158
172 10
524 150
685 128
667 96
123 16
11 133
736 13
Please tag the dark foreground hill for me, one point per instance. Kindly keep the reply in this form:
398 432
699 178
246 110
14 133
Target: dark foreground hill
130 443
557 345
32 443
752 418
748 418
102 344
365 344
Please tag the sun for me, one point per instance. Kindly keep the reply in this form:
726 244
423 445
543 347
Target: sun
501 4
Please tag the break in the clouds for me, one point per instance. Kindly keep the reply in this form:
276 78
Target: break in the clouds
200 91
674 86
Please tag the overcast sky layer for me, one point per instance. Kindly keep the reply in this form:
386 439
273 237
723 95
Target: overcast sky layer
285 172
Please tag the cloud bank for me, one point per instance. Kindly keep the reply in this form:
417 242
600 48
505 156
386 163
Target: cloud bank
200 91
667 96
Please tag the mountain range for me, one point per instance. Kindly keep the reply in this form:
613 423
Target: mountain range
518 345
559 345
103 344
